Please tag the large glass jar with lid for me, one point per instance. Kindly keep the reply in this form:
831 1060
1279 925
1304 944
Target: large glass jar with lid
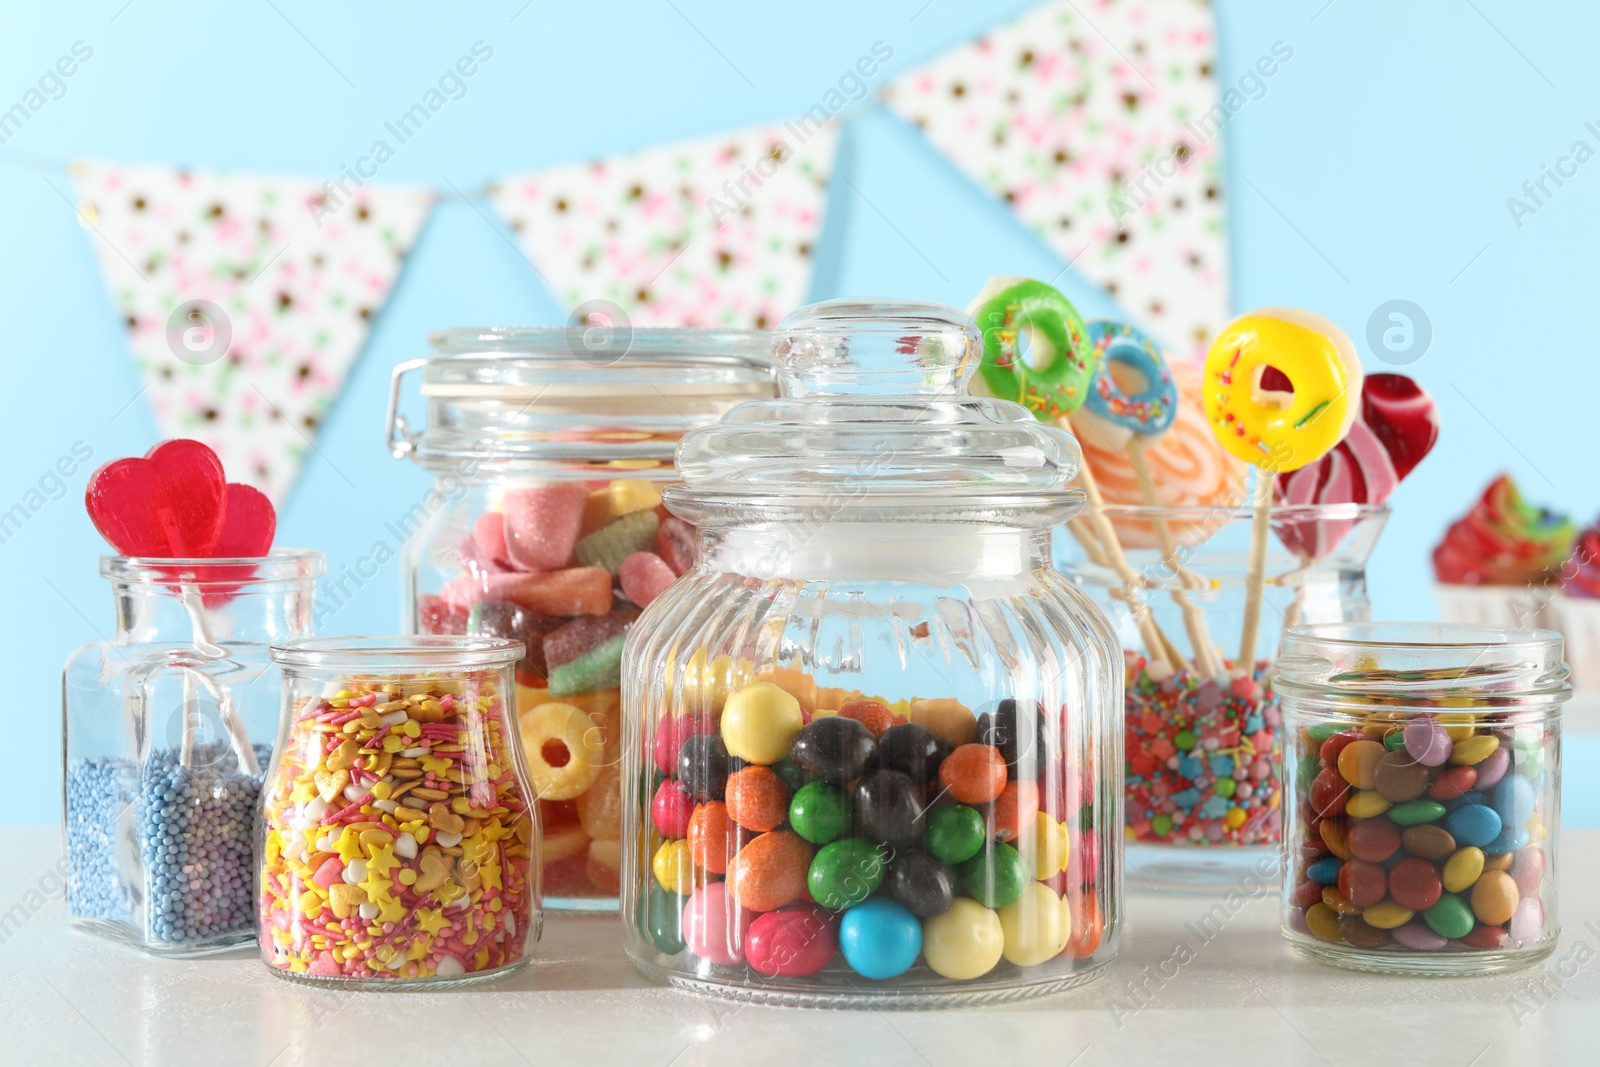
549 449
873 740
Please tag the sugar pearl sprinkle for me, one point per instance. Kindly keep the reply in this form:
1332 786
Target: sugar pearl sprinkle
1204 758
184 878
399 841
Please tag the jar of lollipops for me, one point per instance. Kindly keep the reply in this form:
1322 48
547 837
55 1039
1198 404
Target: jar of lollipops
1204 734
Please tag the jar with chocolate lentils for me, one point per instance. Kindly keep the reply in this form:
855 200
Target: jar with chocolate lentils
873 748
549 449
1424 776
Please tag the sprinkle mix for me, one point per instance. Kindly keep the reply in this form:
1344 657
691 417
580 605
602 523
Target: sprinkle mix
399 842
1203 757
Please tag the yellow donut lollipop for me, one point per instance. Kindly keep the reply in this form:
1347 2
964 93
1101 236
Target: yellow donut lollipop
1275 430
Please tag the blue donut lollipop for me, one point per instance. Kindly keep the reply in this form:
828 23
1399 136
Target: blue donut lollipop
1146 412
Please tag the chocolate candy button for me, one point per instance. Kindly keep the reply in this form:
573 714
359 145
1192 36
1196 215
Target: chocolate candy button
1527 870
1513 799
1474 824
1450 917
1528 922
1494 768
1509 839
921 883
1361 933
889 810
913 750
1453 783
1328 792
1415 884
1373 840
1387 915
1417 936
1398 777
1486 937
1462 869
1495 897
1428 841
1325 871
836 749
1363 884
1427 742
1322 922
1416 812
1359 761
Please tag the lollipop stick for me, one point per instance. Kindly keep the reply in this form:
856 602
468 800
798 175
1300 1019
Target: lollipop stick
238 736
1155 641
1256 572
1194 620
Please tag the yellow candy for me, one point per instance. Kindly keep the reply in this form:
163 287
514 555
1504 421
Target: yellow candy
1036 926
1365 804
1321 921
706 685
1463 868
1046 847
1387 915
674 868
1282 431
759 722
1473 750
1235 818
947 717
965 942
1537 830
630 495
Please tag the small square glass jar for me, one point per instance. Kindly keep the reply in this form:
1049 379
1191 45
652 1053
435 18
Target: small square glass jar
1424 782
399 835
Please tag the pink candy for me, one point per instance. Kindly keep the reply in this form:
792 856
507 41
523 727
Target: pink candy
792 942
713 928
671 810
644 576
542 523
676 539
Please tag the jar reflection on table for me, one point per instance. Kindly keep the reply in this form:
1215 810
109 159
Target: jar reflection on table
1204 737
549 456
1424 784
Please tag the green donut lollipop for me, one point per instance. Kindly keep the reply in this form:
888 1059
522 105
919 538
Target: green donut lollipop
1055 382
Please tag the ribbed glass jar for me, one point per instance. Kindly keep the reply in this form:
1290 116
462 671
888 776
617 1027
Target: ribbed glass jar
872 743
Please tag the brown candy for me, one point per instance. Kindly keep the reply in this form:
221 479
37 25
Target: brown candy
1429 841
1399 778
1361 933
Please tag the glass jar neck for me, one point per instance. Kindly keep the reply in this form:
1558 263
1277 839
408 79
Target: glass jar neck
925 553
212 605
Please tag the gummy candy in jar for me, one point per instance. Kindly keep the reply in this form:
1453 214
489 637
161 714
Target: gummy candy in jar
168 724
549 449
1424 776
874 736
400 837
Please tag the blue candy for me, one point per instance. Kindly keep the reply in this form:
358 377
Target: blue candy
879 938
1509 839
1152 408
1469 797
1513 798
1325 871
1474 824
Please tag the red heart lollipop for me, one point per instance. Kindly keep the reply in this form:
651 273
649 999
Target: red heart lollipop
1397 427
166 505
248 523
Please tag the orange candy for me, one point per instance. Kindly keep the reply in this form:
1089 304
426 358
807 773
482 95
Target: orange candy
757 799
1087 924
711 837
1015 809
770 871
873 714
974 774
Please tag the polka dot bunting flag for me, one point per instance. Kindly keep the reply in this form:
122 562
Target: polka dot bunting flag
715 232
1098 122
246 299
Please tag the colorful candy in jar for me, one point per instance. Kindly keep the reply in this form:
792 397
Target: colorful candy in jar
399 842
865 837
565 567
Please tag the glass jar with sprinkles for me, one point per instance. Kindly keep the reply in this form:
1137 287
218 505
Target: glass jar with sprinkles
399 835
1424 776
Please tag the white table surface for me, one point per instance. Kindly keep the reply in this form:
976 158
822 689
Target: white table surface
69 998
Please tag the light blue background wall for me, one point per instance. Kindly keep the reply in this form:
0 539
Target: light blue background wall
1377 166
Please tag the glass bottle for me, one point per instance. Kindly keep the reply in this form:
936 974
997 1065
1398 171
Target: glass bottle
1424 785
166 730
872 752
400 840
1204 735
549 449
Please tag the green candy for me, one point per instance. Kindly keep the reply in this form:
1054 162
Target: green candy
1322 731
1162 825
996 876
1185 740
666 920
1396 741
611 544
819 812
955 833
792 775
1450 917
845 873
599 668
1309 765
1225 787
1416 812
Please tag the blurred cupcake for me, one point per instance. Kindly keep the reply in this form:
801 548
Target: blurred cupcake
1499 564
1578 609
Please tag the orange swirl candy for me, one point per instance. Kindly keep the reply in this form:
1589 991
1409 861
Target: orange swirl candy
1188 464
